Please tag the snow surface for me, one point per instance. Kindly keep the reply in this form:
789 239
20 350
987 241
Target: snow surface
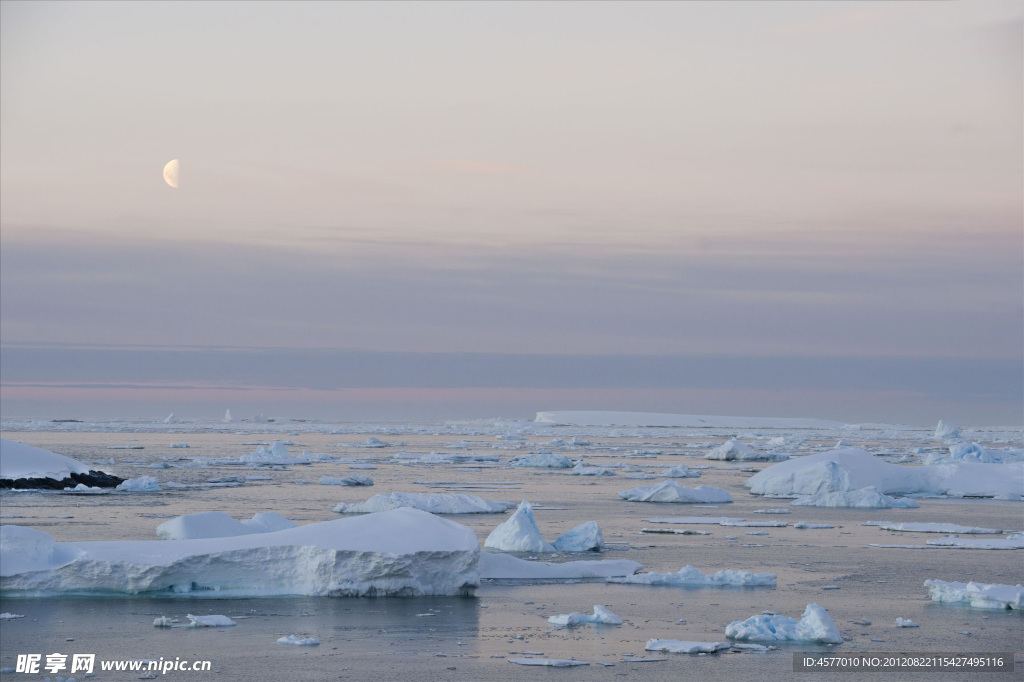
677 646
977 595
585 537
435 503
864 498
215 524
853 468
601 616
403 552
670 491
599 418
506 567
688 576
18 460
814 626
519 533
734 451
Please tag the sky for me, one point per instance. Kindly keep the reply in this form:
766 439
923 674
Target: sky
463 210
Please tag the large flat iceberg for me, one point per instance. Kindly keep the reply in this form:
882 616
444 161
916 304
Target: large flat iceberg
689 576
404 552
814 626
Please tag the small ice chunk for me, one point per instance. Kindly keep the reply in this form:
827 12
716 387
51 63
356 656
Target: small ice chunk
7 615
601 616
295 640
142 484
550 662
676 646
585 537
163 622
815 626
803 525
680 471
735 451
580 470
906 623
180 445
544 461
215 621
519 533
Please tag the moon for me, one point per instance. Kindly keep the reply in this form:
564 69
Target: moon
171 173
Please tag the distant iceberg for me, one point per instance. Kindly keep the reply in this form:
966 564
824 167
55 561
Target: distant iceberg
670 491
735 451
435 503
815 626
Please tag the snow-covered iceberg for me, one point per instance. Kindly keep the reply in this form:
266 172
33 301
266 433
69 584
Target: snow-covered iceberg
977 595
585 537
689 576
519 533
864 498
735 451
215 524
403 552
435 503
852 469
27 467
601 616
814 626
670 491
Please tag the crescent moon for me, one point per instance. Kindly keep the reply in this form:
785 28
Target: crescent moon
171 173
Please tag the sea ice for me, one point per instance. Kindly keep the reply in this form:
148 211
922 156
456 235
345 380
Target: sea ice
403 552
142 484
677 646
670 491
1015 541
815 626
945 528
353 479
906 623
519 533
550 662
972 452
803 525
580 470
598 418
215 621
582 538
505 567
295 640
163 622
7 615
601 616
435 503
680 471
688 576
977 595
545 461
864 498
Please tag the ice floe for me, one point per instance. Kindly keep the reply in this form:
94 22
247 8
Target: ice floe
351 480
670 491
688 576
1015 541
544 461
580 470
403 552
680 471
519 533
906 623
601 616
814 626
506 567
864 498
677 646
945 528
435 503
214 621
973 452
977 595
295 640
142 484
7 615
549 662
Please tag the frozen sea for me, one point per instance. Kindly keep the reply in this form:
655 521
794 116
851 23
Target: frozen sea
471 638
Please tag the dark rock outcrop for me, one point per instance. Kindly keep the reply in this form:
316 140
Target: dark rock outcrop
94 479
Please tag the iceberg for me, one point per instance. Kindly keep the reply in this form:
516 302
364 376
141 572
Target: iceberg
906 623
973 452
815 626
545 461
947 430
735 451
689 576
27 467
977 595
670 491
865 498
680 471
505 567
601 616
676 646
585 537
580 470
142 484
216 621
435 503
403 552
519 533
215 524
